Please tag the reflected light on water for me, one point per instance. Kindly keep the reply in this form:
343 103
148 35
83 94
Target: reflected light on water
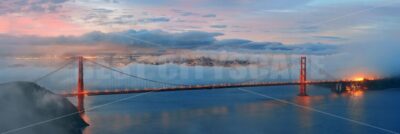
357 93
165 119
119 122
305 116
86 118
354 110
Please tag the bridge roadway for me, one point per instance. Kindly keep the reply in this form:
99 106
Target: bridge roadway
202 87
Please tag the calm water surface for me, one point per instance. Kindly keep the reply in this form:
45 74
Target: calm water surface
216 111
234 111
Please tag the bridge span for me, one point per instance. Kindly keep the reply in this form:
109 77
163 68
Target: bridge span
200 87
80 91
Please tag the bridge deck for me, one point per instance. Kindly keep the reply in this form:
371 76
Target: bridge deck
200 87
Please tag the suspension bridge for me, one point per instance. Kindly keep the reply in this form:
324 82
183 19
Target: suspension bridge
80 91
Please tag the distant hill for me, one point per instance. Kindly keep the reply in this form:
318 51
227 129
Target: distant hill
393 82
24 103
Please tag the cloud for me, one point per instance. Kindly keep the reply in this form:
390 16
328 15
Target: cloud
132 38
30 6
188 13
101 16
158 39
218 26
39 25
154 20
102 10
97 15
332 38
184 13
209 16
374 55
241 45
255 4
123 19
307 29
120 20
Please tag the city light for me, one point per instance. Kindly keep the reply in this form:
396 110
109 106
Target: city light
359 79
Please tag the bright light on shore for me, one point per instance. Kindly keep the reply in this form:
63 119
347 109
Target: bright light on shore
90 57
359 79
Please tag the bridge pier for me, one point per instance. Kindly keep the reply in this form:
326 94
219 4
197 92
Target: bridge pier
303 90
80 86
340 87
303 76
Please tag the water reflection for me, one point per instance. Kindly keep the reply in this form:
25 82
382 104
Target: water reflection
260 111
86 118
80 103
356 108
304 115
250 115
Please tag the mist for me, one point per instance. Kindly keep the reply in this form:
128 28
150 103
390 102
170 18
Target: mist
377 55
29 108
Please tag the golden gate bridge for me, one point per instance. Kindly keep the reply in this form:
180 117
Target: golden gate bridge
80 91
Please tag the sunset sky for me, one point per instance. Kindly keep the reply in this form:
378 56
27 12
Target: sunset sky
288 22
358 34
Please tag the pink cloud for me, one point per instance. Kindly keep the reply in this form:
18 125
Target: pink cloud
41 25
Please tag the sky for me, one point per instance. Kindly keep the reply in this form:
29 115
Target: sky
286 21
365 31
301 26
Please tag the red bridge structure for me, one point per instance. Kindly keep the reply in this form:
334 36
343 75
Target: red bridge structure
80 91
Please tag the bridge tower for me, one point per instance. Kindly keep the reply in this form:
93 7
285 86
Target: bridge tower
80 86
303 76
